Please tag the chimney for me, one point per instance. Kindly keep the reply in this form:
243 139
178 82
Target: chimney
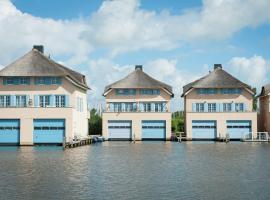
217 66
138 67
40 48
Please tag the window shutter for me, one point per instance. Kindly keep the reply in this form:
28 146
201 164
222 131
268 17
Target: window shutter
123 107
245 107
217 107
220 107
193 107
141 107
66 101
233 107
52 100
36 100
13 100
27 100
111 108
205 105
152 107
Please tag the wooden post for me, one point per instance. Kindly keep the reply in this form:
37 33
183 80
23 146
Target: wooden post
64 143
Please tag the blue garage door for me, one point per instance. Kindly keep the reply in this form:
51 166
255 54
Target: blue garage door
48 131
119 130
238 128
153 130
204 130
9 131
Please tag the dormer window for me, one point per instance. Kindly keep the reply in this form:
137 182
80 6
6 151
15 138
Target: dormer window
231 91
16 81
125 91
48 80
149 92
207 91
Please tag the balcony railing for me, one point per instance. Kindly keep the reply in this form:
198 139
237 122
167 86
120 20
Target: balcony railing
137 107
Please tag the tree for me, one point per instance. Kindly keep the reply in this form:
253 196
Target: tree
255 99
178 121
95 123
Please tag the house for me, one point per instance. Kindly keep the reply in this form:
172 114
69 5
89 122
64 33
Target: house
218 104
264 110
137 107
41 101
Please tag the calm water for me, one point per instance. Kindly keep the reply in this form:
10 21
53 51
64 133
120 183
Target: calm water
150 170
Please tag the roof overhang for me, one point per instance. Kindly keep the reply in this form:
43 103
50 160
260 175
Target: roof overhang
107 92
168 92
76 84
187 92
165 90
191 89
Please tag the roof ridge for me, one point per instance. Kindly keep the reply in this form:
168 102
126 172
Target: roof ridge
35 63
138 79
220 79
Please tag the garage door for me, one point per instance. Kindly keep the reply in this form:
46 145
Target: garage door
119 130
9 131
153 130
237 129
204 130
48 131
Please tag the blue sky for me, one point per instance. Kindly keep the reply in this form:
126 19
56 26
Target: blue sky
176 41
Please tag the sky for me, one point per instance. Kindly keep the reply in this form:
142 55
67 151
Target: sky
175 41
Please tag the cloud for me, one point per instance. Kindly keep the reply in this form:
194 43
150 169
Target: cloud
253 70
20 31
121 26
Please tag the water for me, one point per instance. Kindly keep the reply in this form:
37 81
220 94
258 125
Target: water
149 170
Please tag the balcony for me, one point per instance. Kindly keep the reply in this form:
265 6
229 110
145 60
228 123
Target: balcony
149 107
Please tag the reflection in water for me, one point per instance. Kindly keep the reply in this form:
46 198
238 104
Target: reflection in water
145 170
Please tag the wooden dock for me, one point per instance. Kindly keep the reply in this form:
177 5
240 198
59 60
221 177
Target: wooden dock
225 138
256 137
182 137
77 142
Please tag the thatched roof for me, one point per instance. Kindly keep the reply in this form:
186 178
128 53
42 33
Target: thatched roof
35 63
218 78
139 79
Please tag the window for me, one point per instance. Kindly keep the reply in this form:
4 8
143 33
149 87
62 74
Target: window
117 107
48 80
16 81
5 101
145 107
239 107
79 104
231 91
149 92
130 107
207 91
199 107
44 100
159 107
227 107
212 107
21 101
60 101
125 91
